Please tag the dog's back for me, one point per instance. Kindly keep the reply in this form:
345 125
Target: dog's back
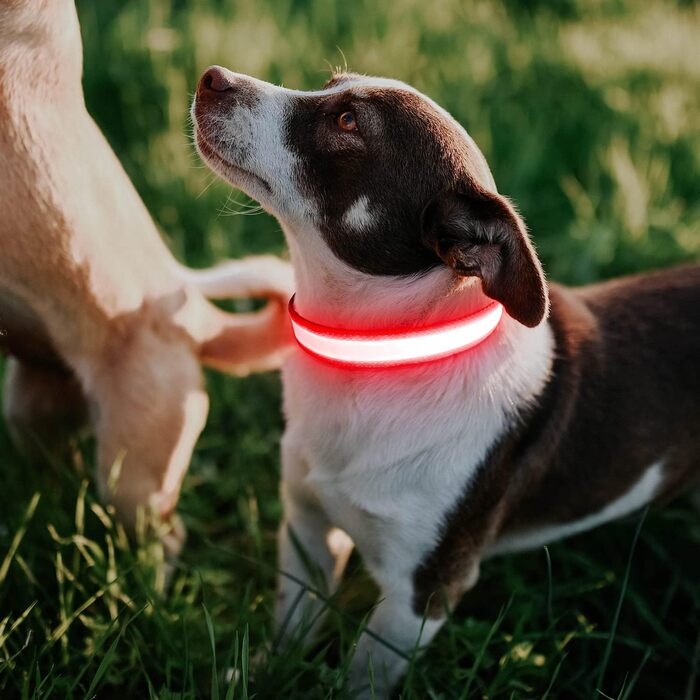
649 342
71 219
624 397
650 335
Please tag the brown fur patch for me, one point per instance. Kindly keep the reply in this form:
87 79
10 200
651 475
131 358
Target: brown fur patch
624 393
404 154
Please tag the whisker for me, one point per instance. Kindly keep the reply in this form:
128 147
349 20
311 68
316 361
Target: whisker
214 178
345 60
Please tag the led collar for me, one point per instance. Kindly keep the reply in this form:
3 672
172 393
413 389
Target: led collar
385 348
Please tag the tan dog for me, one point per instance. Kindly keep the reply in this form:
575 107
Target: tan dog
103 325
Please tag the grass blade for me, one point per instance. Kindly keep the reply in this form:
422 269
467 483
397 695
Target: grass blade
618 609
107 660
482 650
245 660
19 535
212 641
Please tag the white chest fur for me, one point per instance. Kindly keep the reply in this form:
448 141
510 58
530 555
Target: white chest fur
389 452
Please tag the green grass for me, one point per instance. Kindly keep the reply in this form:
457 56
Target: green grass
588 113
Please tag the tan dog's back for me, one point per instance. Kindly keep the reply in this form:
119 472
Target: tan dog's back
71 217
94 308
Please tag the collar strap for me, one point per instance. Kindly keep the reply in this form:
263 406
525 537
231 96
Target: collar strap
386 348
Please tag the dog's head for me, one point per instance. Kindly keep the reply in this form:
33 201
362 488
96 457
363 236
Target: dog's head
389 181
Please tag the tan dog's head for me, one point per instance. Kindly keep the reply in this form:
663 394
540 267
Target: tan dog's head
382 175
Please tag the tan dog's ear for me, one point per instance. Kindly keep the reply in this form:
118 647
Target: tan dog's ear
479 234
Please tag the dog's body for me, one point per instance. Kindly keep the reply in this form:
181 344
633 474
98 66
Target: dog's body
101 323
565 417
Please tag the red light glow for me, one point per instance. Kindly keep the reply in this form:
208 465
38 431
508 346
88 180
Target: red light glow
386 348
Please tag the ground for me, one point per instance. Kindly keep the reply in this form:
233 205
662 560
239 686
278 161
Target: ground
587 112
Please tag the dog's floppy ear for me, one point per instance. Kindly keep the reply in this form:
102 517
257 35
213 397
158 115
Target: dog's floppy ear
479 234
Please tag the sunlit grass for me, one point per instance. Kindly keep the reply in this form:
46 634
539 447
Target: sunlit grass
587 112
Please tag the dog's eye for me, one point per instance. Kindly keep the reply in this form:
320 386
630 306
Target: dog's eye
346 121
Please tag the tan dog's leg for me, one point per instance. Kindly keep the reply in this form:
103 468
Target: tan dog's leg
150 409
251 342
43 408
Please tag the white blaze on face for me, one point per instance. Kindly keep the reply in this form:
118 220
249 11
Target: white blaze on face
358 217
266 153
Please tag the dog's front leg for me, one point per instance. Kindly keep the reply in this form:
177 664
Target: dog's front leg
412 607
393 633
311 554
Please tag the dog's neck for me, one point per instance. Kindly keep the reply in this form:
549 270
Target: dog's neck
503 373
332 293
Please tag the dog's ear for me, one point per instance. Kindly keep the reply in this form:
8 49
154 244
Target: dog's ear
479 234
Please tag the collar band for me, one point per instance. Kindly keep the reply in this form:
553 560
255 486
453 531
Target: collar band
386 348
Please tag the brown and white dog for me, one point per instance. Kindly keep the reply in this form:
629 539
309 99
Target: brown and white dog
102 324
581 406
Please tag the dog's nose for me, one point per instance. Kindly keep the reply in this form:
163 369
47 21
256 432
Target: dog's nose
216 79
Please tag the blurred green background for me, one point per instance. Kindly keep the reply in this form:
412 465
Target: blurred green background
588 113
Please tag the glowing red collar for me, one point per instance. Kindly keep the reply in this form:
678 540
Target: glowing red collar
386 348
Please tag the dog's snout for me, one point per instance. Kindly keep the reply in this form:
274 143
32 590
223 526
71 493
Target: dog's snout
216 79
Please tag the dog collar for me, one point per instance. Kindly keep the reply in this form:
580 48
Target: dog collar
386 348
